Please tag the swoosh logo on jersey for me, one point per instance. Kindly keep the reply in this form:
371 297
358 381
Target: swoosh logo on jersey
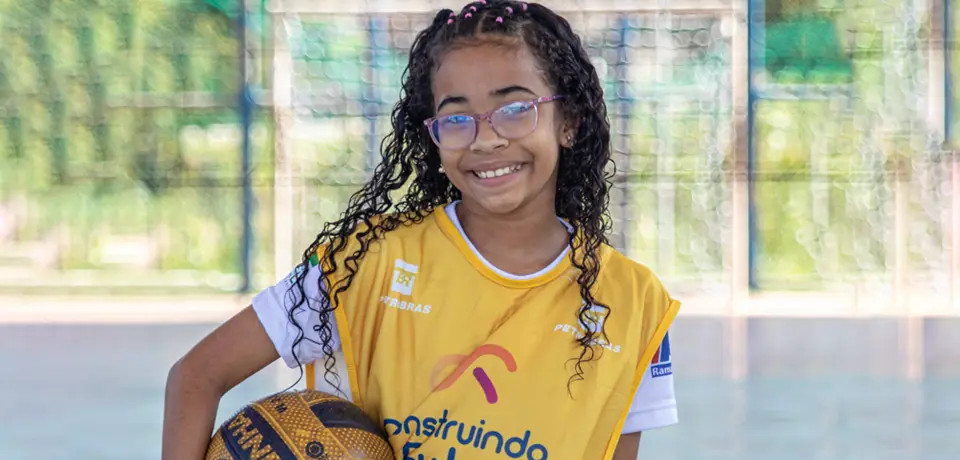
463 362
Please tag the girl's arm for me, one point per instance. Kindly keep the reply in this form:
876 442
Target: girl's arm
627 447
234 351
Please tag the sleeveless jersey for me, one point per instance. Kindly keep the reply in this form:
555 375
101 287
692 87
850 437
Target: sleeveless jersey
460 362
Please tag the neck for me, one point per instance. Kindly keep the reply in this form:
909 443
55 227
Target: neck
522 242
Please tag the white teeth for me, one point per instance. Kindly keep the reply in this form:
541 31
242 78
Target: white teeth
497 172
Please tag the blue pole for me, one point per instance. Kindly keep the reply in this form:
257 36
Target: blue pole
624 108
371 96
948 78
756 22
245 108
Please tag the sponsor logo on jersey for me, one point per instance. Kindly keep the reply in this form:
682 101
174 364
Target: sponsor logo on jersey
465 437
463 362
404 275
393 302
660 365
596 316
312 262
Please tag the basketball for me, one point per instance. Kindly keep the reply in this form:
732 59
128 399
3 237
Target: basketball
300 425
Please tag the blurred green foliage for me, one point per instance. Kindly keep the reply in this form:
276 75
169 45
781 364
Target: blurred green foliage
828 158
953 47
118 119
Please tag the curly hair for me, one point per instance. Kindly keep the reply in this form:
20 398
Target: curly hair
408 156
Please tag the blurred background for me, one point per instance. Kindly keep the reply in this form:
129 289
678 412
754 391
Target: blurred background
788 167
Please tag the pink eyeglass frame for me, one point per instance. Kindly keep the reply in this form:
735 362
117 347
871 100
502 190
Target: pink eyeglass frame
477 117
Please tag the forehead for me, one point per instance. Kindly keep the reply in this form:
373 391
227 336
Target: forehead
475 70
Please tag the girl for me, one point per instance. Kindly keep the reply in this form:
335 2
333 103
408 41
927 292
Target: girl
492 262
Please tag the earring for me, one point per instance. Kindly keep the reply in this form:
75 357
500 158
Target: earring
441 170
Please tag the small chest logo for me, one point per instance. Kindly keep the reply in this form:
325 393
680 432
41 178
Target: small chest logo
404 274
660 365
595 318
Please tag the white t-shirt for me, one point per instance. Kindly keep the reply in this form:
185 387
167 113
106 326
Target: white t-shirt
654 405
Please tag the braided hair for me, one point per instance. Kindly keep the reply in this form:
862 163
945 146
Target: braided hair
408 156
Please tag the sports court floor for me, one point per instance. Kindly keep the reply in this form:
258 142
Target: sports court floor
94 391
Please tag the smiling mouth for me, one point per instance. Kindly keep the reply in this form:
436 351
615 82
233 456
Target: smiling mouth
498 172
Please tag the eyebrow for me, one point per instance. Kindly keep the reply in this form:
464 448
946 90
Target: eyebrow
497 92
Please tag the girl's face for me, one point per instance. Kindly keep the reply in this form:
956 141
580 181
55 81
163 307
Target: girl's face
493 173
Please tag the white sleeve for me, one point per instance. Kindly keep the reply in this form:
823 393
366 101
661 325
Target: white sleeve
655 404
272 306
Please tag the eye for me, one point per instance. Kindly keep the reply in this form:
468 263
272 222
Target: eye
516 109
453 120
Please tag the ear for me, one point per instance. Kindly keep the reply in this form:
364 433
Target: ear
567 135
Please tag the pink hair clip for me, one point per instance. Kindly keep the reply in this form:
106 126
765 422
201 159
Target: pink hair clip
468 15
483 1
524 6
449 21
509 10
499 19
473 8
453 15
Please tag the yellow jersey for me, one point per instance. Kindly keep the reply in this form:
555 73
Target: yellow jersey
459 361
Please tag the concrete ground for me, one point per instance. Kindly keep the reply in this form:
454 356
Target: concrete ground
91 386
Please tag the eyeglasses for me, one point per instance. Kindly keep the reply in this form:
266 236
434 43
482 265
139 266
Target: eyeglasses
511 121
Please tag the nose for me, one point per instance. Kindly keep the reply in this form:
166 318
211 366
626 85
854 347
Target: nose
487 140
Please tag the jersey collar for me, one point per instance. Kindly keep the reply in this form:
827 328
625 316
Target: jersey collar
459 239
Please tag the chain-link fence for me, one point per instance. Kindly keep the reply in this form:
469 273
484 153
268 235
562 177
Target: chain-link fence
849 121
119 143
849 182
667 87
778 144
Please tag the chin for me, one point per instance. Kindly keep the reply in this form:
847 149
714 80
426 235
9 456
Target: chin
499 204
